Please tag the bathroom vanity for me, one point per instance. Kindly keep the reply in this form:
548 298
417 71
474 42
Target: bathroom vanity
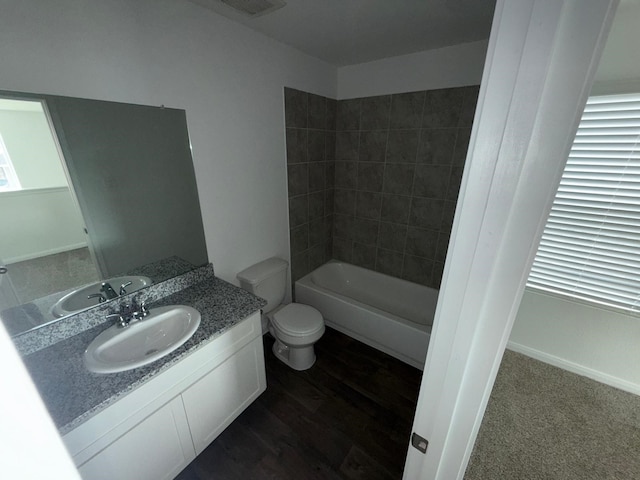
159 428
151 422
147 422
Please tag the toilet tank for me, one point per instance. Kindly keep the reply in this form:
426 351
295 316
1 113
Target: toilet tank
267 279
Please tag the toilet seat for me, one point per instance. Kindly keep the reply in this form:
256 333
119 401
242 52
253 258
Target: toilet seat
298 320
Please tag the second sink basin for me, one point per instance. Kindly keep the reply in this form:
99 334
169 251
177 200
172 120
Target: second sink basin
142 342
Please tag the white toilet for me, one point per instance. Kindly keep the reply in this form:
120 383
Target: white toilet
295 327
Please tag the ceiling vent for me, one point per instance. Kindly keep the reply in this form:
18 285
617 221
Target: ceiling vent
250 8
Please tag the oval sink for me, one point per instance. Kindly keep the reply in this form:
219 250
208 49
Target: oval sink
77 300
142 342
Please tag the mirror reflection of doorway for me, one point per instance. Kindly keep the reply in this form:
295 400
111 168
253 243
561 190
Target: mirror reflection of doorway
43 242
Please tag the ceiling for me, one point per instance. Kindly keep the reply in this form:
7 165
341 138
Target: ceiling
348 32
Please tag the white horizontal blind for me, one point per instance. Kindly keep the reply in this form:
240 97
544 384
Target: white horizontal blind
590 249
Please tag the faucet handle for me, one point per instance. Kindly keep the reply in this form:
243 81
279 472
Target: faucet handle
101 298
139 311
123 287
144 309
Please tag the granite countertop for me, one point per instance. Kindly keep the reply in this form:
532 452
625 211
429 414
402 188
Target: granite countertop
73 394
38 312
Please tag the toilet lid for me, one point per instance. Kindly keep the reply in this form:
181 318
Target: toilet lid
298 319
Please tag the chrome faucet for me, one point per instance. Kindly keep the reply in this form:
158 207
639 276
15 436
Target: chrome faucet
141 311
101 298
129 312
108 291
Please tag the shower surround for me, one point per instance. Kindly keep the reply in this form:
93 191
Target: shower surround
310 122
392 170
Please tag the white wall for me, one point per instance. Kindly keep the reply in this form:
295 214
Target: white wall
456 66
594 342
228 79
33 152
26 424
619 69
39 222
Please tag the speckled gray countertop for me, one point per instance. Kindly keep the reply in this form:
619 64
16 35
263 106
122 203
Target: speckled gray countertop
73 394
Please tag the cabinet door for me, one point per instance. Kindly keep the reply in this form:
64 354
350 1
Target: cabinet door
219 397
157 448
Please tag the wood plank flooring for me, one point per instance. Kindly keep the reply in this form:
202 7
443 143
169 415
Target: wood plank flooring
348 417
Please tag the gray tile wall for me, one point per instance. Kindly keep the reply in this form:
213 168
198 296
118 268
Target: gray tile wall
399 162
373 181
310 122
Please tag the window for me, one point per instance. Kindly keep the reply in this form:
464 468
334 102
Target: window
8 178
590 249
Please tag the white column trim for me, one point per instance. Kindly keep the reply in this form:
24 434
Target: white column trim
540 65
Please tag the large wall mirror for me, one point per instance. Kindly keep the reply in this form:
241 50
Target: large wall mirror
97 199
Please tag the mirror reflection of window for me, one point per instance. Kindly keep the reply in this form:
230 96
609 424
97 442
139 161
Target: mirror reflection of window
28 145
8 179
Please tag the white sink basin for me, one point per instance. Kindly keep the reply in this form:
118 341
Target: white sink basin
77 300
142 342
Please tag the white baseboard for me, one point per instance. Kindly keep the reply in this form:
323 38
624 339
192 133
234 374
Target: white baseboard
576 368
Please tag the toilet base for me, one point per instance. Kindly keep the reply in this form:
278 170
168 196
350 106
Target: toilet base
298 358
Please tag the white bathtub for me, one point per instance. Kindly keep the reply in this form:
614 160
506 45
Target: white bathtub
387 313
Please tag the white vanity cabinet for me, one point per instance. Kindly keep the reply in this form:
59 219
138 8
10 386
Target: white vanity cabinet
158 447
158 429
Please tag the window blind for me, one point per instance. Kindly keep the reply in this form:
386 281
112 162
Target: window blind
590 249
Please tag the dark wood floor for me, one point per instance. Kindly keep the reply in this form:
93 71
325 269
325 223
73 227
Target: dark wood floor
348 417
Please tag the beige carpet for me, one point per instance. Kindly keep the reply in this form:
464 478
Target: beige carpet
43 276
546 423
